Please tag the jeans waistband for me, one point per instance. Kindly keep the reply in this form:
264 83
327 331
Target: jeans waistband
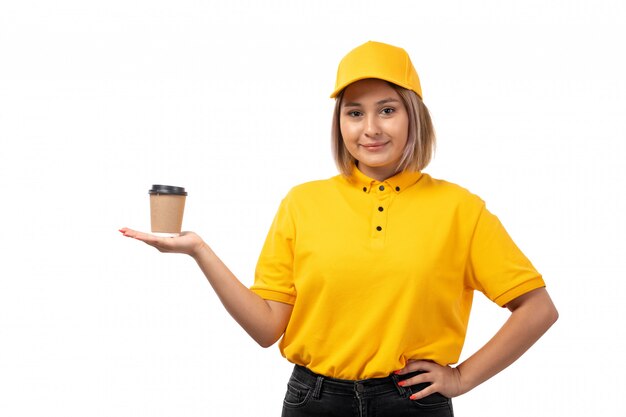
364 387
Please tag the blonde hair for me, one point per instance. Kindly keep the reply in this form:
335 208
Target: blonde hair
420 144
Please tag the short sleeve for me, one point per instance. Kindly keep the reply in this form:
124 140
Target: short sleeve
496 266
273 278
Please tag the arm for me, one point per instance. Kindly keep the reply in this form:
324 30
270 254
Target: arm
532 314
264 320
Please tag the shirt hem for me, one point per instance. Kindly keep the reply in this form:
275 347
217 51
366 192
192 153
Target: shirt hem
274 296
527 286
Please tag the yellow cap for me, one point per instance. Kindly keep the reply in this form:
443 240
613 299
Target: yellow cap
377 60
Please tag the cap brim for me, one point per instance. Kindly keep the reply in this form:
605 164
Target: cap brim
338 90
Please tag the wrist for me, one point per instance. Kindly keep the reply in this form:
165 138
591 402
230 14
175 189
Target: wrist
200 250
465 384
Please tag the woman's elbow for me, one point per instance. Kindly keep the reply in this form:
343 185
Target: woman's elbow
265 341
546 313
552 315
537 307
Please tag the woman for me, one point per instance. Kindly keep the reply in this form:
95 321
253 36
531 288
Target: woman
368 276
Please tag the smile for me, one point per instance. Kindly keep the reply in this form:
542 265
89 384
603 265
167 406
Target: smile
374 146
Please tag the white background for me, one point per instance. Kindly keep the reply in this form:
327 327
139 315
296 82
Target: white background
100 100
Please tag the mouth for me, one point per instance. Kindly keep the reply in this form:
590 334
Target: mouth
374 146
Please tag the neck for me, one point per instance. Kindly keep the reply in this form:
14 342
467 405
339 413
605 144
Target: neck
377 173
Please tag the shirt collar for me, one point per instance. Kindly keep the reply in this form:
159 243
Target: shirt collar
398 183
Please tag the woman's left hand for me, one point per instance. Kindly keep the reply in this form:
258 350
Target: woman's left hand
443 379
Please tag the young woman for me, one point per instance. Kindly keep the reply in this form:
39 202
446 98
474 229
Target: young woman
368 276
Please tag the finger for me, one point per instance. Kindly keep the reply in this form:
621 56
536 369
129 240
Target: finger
417 379
151 240
415 365
423 393
144 237
127 232
162 244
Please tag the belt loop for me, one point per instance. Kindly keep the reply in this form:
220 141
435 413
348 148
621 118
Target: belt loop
318 387
402 391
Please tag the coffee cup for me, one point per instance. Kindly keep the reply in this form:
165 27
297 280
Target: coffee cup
167 205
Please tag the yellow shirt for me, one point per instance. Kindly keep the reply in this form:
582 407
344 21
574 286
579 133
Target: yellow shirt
379 273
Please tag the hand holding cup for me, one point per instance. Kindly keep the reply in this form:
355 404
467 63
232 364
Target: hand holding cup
167 205
188 243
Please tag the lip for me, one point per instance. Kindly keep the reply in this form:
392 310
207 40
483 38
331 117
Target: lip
374 146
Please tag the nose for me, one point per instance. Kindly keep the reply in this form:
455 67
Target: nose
372 127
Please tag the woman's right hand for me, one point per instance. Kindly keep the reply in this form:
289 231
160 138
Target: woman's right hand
188 242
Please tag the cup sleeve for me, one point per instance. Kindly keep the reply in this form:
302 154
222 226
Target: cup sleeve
496 266
273 278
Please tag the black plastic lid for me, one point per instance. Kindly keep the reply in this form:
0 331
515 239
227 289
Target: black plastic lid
167 189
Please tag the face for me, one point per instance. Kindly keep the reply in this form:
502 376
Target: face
374 125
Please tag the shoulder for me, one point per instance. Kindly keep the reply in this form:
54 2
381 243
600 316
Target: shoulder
449 192
306 199
313 189
449 200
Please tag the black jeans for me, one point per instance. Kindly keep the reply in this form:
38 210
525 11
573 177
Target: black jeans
312 395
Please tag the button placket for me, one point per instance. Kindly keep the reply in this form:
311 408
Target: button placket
383 193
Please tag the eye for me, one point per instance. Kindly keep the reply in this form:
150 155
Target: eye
354 113
388 110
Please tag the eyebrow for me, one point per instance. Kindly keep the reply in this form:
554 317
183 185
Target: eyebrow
383 101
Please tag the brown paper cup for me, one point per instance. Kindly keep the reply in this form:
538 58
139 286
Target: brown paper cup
167 206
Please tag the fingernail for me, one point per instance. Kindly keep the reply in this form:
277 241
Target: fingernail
412 397
401 383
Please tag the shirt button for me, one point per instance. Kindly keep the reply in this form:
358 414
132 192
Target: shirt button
379 228
360 388
364 189
397 188
381 188
380 209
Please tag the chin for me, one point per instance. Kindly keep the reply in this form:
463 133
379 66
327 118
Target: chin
376 164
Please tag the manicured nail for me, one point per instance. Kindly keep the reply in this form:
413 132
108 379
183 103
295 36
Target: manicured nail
396 372
412 397
401 383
